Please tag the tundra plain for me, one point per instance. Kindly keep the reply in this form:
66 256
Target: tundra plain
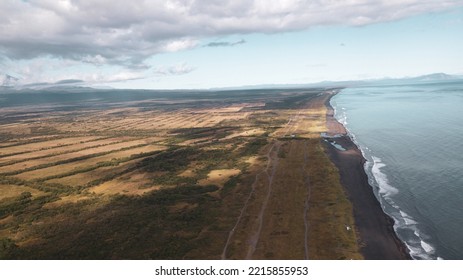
171 175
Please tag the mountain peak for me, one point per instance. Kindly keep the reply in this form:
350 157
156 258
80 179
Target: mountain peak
435 76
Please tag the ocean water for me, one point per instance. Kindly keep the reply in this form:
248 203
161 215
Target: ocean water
412 138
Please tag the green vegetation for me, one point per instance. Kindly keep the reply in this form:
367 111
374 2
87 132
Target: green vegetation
330 211
8 249
204 132
172 160
70 160
120 229
176 217
172 180
293 101
159 204
57 153
230 185
112 162
253 146
8 206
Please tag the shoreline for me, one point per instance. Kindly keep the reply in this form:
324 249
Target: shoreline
378 240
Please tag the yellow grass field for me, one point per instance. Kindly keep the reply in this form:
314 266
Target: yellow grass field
45 152
236 175
10 191
43 145
66 156
131 184
219 177
84 178
68 167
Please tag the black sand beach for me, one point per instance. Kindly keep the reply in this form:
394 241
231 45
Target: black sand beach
378 239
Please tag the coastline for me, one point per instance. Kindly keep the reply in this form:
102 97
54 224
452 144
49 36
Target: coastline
378 240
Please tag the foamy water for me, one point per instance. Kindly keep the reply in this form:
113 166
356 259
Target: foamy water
411 139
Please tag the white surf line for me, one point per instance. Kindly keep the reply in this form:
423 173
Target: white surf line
306 204
245 206
255 238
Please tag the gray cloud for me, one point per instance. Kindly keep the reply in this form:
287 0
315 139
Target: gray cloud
225 44
69 81
8 80
126 33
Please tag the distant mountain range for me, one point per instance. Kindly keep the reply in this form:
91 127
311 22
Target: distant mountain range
350 83
436 76
425 78
12 84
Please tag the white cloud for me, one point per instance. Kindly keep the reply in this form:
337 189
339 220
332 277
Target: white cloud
179 69
96 59
180 45
126 33
117 77
51 71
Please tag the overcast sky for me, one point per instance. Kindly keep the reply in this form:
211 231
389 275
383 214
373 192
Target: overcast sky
218 43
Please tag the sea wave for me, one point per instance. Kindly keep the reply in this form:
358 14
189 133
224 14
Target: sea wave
407 219
384 187
341 117
405 226
413 238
